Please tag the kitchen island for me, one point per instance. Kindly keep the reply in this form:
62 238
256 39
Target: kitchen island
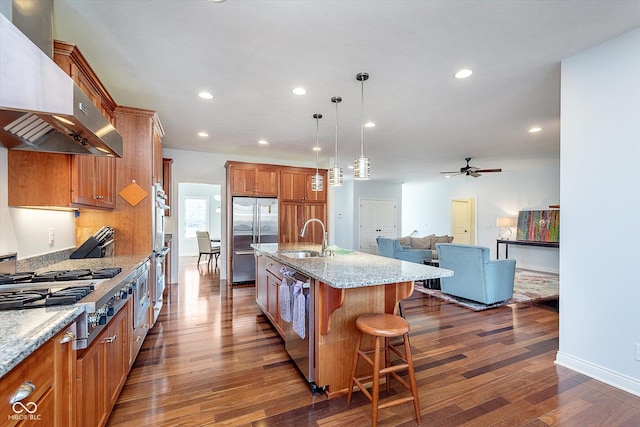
341 287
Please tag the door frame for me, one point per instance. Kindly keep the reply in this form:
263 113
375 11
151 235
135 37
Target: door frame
473 217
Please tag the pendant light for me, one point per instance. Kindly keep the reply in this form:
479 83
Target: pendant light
335 173
316 180
361 165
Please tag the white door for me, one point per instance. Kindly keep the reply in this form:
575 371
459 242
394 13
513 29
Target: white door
377 218
463 221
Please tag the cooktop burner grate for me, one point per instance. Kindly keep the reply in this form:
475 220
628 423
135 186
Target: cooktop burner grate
33 298
59 276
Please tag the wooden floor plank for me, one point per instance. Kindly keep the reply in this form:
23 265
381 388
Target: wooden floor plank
213 359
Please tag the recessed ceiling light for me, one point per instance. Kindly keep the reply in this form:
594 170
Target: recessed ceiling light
463 74
535 129
350 167
203 134
369 125
205 95
216 1
263 142
317 149
299 91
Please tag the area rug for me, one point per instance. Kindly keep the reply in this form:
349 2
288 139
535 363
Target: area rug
529 287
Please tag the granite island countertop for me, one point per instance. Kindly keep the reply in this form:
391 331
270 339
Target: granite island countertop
351 269
26 330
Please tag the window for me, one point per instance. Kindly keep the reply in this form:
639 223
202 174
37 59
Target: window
196 211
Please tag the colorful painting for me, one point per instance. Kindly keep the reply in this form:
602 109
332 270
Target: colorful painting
540 226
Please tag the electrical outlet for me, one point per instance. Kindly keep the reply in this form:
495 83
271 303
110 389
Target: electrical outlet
52 235
638 352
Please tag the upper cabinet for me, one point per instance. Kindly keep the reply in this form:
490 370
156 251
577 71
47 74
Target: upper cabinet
71 60
40 179
249 179
166 182
295 185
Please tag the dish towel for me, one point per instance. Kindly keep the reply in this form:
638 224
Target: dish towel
299 309
285 301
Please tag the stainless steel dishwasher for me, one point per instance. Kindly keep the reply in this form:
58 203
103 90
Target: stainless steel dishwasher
302 350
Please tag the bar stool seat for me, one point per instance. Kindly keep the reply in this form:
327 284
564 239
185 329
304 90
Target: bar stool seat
383 326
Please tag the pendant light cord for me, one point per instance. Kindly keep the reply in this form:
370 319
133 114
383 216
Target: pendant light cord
362 118
336 102
317 130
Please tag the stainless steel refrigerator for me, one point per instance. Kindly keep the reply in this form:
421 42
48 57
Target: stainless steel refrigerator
254 220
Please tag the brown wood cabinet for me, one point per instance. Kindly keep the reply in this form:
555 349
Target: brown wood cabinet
102 370
93 181
249 179
293 215
51 371
70 59
268 280
295 185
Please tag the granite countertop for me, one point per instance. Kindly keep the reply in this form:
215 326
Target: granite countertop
26 330
351 270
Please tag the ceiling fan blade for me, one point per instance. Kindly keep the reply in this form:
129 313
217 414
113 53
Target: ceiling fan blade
452 173
488 170
474 174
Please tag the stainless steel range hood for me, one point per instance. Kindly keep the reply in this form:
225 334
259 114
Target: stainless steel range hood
41 108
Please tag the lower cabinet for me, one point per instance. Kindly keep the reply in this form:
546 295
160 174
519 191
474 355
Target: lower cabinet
102 370
45 381
268 279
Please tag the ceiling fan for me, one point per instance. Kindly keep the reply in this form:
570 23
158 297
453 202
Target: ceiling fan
470 170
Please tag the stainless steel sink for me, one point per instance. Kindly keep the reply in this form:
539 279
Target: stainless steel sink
300 254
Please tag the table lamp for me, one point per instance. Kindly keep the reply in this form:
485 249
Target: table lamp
505 224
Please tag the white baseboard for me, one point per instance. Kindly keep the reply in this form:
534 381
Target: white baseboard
538 268
614 379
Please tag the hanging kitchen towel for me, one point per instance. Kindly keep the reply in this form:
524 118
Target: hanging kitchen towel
285 301
299 306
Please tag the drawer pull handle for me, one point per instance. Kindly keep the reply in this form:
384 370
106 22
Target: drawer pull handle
110 339
24 391
68 337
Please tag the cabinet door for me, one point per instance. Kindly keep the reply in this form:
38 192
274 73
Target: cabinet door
242 180
157 159
90 397
93 181
261 281
273 307
117 352
266 181
106 182
314 230
293 186
64 357
290 222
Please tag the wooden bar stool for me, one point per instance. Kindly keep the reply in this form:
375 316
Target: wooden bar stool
384 326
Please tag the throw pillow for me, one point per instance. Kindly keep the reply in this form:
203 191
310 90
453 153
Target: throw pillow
404 241
422 242
441 239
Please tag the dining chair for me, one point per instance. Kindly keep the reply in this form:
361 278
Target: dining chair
206 248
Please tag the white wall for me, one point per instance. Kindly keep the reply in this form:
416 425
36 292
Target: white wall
600 151
26 231
427 207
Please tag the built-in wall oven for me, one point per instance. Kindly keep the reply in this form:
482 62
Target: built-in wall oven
160 251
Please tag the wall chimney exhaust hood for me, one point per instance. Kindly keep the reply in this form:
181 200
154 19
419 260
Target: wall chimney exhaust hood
41 108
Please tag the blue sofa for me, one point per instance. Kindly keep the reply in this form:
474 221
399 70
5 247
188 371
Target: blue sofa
391 248
475 276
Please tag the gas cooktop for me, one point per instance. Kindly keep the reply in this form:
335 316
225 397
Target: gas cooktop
58 276
35 298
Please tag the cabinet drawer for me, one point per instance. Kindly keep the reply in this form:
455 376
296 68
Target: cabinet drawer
274 268
37 369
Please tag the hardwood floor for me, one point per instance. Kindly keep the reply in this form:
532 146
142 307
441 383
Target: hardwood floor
213 359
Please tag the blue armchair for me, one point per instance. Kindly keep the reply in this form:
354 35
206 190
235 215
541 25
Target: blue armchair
391 248
475 276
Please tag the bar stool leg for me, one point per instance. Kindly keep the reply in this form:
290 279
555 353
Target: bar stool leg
387 362
376 383
354 365
412 376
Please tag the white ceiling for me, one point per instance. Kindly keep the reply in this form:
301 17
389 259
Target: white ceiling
160 54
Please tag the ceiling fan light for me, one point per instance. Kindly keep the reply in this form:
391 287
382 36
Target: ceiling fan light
361 169
335 176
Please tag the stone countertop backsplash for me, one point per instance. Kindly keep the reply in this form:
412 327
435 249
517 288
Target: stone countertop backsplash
351 270
26 330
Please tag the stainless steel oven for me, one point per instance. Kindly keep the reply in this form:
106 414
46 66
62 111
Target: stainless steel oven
159 250
158 279
141 295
